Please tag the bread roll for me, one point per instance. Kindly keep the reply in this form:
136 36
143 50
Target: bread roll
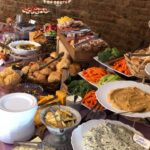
45 71
54 76
54 55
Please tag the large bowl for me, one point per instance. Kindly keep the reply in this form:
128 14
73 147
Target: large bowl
58 131
13 45
17 112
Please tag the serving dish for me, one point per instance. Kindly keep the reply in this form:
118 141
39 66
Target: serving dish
77 134
108 65
104 90
59 137
58 131
94 84
17 47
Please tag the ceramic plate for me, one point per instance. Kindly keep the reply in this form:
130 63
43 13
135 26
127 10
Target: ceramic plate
77 134
17 102
104 90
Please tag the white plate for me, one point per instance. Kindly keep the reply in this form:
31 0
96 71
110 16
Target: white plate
77 134
104 90
13 45
94 84
17 102
110 68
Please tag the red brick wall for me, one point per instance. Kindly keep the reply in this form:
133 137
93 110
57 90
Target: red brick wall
123 23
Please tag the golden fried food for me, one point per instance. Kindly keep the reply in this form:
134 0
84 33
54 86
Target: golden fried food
130 99
55 76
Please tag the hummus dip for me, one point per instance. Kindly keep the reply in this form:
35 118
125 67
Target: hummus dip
130 99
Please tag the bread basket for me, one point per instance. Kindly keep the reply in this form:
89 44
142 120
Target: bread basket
136 64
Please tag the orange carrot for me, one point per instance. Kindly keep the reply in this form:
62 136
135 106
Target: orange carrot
121 66
93 74
90 100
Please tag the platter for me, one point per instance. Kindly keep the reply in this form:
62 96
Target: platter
77 135
102 96
94 84
110 68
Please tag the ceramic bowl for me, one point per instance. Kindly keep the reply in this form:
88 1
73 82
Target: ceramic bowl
58 131
18 51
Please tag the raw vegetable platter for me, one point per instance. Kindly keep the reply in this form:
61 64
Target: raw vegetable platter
108 65
94 84
102 76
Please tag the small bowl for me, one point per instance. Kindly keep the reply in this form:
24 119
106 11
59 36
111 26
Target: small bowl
13 45
60 131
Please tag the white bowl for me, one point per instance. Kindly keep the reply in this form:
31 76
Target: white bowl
13 45
58 131
17 112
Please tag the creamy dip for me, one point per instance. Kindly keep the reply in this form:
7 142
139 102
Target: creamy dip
130 99
107 136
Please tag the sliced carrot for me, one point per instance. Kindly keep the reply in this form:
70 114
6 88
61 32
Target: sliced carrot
94 74
121 66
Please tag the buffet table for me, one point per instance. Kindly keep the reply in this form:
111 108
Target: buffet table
60 74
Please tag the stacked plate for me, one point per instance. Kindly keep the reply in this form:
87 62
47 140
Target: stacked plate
17 111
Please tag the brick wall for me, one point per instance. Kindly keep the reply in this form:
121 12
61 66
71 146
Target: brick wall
123 23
